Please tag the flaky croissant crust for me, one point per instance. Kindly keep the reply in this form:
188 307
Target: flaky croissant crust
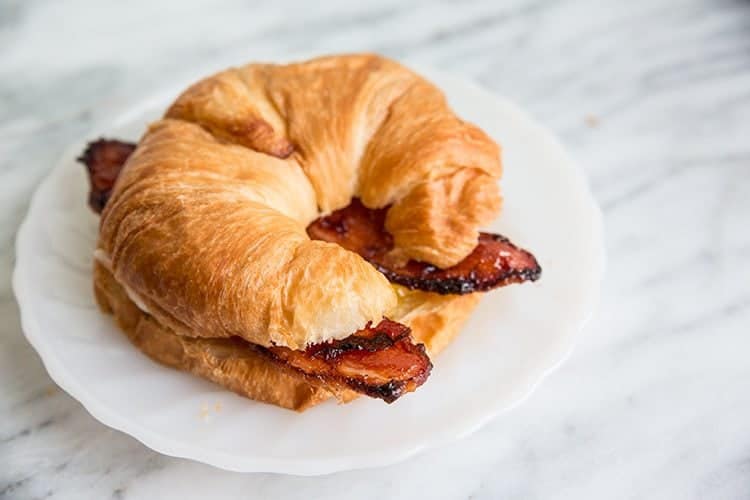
206 223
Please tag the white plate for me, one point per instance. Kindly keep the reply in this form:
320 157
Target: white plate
516 336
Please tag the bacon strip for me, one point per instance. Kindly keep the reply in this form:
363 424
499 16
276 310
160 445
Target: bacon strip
104 159
495 262
380 361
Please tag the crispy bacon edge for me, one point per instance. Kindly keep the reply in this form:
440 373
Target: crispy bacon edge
104 158
495 261
379 361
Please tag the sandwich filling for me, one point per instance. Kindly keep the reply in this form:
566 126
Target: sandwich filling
380 361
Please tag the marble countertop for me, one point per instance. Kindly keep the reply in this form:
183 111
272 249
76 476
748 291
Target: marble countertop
652 98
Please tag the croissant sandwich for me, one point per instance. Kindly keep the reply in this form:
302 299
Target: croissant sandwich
301 232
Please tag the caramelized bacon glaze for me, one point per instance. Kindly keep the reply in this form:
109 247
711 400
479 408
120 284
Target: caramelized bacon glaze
380 361
104 159
495 261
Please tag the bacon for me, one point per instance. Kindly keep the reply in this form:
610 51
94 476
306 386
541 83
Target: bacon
104 159
495 261
380 361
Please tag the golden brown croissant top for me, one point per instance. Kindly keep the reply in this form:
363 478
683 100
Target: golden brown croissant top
206 223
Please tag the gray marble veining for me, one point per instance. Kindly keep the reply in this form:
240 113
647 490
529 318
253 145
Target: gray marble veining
651 97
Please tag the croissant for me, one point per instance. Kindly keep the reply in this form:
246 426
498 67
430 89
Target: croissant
304 231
